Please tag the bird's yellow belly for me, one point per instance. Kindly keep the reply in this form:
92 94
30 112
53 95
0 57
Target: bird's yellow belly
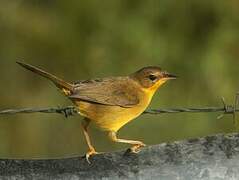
110 118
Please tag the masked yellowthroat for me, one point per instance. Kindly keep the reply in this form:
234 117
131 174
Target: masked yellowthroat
110 102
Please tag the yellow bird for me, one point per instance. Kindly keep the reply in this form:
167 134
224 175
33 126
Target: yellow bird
110 102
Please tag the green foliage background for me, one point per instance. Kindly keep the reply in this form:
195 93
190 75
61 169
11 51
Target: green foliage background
198 40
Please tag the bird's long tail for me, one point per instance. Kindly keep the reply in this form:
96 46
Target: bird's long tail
66 87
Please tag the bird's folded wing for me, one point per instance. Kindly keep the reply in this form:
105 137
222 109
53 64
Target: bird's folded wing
107 92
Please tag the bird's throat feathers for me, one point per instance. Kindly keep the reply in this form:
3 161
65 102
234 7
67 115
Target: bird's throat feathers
151 90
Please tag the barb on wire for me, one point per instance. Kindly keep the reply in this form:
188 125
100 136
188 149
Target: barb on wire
71 110
236 102
226 109
66 111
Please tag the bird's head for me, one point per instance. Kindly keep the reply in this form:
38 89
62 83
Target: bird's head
151 78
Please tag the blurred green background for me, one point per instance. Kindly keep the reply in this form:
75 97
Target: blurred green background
198 40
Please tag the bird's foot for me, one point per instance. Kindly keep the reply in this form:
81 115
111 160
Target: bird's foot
136 148
90 153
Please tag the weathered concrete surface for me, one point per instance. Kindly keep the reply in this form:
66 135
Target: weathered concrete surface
214 157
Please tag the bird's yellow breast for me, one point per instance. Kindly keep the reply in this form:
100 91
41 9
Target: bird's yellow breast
112 118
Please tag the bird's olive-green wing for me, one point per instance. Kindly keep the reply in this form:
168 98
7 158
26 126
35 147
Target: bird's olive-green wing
111 91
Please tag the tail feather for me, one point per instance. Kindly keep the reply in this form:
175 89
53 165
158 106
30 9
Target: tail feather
63 85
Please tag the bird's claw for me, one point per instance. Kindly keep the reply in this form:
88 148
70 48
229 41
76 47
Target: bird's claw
136 148
90 153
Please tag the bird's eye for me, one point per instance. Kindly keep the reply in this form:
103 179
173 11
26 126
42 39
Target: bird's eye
152 77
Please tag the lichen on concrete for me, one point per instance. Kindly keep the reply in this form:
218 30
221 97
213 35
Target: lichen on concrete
213 157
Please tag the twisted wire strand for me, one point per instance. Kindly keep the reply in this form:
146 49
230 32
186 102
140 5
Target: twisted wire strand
71 110
67 111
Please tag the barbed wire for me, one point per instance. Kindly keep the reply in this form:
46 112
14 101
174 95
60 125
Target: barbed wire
71 110
66 111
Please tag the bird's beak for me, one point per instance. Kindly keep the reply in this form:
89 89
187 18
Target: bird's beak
167 75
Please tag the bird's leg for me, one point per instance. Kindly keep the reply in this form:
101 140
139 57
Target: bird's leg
136 144
85 123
